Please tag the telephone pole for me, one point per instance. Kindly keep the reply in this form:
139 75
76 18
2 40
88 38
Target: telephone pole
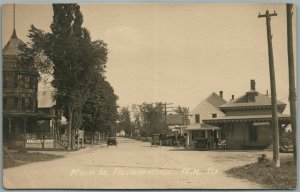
276 159
292 95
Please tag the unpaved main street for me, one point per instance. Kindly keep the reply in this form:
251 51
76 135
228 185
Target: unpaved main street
133 164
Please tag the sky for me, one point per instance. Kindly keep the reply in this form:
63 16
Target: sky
176 53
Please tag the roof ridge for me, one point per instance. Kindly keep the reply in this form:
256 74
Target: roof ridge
262 102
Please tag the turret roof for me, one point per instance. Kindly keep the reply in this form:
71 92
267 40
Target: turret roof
11 48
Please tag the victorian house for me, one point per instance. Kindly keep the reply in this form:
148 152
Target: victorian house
20 99
19 94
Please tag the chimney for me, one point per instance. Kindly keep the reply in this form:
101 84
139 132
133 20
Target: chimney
252 82
221 94
232 97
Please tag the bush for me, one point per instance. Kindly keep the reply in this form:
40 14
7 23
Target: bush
265 173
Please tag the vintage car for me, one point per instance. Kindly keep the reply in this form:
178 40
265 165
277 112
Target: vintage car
112 141
202 144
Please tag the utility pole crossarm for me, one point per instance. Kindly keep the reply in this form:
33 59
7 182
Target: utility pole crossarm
267 14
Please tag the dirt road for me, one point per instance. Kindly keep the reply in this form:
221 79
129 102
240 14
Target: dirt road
133 164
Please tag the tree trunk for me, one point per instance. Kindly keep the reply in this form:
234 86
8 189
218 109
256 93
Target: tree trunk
70 128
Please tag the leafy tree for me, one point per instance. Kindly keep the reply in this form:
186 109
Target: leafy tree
137 124
100 110
71 57
184 112
152 116
125 121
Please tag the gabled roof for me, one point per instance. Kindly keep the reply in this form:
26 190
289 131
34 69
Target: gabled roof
260 100
213 99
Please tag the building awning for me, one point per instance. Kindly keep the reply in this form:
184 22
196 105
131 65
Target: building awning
201 126
247 118
175 128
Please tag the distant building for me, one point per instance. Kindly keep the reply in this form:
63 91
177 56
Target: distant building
177 124
121 133
207 109
174 121
247 120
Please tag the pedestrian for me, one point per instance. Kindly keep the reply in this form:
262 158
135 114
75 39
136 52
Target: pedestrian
160 139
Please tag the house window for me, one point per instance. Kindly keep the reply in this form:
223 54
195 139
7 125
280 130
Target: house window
4 103
27 82
11 103
252 133
9 81
5 81
214 115
32 83
27 104
16 81
22 81
197 118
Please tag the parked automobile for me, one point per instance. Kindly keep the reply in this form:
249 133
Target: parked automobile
112 141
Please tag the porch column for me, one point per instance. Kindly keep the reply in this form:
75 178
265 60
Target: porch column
53 125
188 138
25 127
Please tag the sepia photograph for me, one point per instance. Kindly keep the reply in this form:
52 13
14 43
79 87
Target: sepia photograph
149 96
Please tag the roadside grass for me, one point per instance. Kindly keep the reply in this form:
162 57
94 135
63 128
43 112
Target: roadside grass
266 174
17 158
